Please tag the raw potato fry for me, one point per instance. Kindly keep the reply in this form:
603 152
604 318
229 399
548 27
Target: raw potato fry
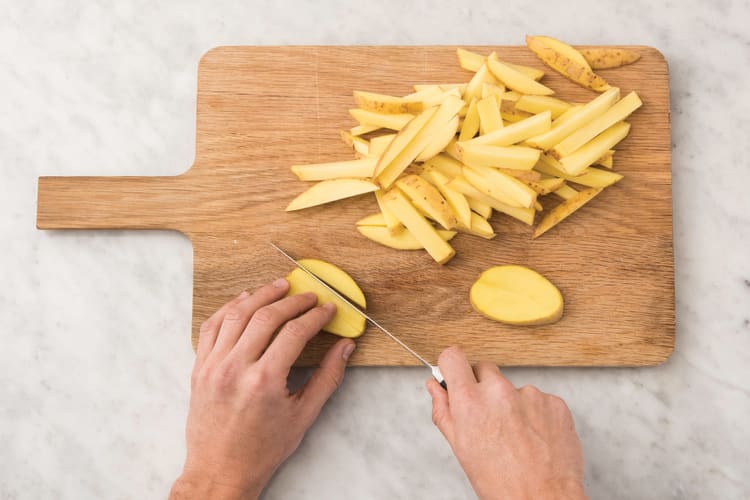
474 88
514 79
516 295
605 58
403 138
456 201
537 103
332 190
489 114
564 209
480 208
512 96
576 163
489 89
544 188
607 159
472 61
335 170
459 183
567 124
445 112
440 140
361 146
470 126
524 175
428 199
478 227
592 177
566 60
382 120
404 240
379 144
418 226
517 132
515 157
566 192
504 188
450 167
617 113
381 103
391 222
363 129
511 113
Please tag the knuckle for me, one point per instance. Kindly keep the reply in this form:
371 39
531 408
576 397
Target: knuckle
558 403
266 315
530 390
450 352
233 313
223 377
296 328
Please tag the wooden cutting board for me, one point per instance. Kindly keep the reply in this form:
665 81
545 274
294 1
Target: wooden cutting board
262 109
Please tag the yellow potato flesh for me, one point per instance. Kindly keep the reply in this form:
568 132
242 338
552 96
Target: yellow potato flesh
347 322
516 295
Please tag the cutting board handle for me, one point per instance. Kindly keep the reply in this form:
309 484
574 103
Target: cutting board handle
110 202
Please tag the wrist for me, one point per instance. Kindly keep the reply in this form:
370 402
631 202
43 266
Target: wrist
193 486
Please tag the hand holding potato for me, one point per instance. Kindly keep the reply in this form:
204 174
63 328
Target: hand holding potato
243 421
512 443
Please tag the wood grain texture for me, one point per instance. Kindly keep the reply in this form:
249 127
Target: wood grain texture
262 109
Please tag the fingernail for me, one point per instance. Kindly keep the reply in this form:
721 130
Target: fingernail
329 306
280 283
348 350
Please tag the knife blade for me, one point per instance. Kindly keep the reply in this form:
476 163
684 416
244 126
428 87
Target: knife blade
433 369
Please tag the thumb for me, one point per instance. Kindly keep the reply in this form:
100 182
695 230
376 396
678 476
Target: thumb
441 413
327 378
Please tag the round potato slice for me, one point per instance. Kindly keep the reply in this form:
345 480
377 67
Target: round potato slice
516 295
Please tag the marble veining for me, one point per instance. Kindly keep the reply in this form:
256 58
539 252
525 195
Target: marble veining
94 362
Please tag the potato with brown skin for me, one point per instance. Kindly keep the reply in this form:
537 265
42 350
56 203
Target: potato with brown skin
566 60
606 58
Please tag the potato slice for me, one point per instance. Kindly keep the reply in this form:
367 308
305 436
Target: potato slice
617 113
606 58
427 198
444 114
347 322
591 177
358 169
566 60
461 184
422 230
440 140
544 188
524 175
457 201
401 241
489 89
381 120
336 278
569 123
381 103
566 192
607 159
363 129
516 295
514 79
515 157
538 103
403 138
564 209
472 61
377 219
504 188
379 144
585 156
488 110
331 190
517 132
447 165
511 113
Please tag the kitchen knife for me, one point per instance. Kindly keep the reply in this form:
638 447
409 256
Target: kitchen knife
433 369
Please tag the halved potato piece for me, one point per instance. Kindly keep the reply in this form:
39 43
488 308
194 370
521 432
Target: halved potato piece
516 295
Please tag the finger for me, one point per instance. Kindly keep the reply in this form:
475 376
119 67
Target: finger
441 416
294 335
210 329
237 316
456 368
327 378
486 371
266 321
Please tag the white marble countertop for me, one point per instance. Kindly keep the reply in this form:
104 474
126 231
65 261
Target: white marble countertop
94 362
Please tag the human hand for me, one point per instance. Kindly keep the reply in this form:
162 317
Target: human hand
243 422
512 443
